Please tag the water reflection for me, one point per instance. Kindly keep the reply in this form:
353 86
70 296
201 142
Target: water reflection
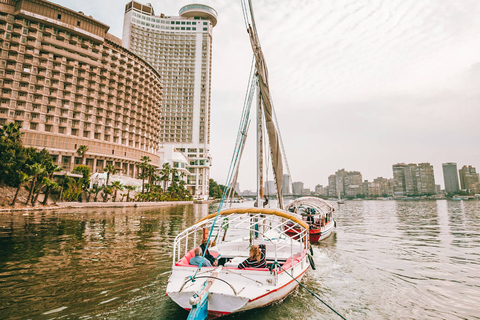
386 260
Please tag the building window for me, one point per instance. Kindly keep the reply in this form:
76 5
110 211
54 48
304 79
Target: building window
61 130
97 136
59 16
48 128
33 126
78 23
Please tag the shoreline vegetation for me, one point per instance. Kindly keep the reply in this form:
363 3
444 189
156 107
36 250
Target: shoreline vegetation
29 179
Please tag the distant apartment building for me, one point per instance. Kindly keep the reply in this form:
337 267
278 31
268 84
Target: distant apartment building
297 188
180 49
425 179
332 186
69 82
413 179
306 192
286 185
347 182
270 188
399 179
379 187
319 190
450 177
469 179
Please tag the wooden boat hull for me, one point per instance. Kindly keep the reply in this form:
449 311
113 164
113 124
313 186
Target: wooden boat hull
316 233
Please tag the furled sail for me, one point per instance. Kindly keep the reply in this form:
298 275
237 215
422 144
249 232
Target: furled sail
268 113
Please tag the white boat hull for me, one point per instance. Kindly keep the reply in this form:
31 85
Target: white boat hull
254 289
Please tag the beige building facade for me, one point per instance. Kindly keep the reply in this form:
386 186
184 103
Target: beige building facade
70 83
180 49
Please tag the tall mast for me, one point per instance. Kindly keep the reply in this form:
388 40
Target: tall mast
259 149
266 109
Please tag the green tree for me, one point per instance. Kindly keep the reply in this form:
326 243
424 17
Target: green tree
82 151
110 170
22 178
45 181
84 181
215 190
165 174
51 186
35 170
95 190
51 168
116 185
63 182
145 160
129 188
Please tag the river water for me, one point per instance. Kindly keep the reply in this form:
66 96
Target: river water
386 260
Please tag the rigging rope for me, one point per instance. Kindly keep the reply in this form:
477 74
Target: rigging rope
311 292
233 163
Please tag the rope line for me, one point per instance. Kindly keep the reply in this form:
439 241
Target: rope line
233 164
311 292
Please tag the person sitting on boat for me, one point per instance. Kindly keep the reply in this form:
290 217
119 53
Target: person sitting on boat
195 261
213 261
257 258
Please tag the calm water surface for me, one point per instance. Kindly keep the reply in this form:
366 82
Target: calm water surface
387 260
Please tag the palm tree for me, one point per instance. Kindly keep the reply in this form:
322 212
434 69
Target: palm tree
145 160
64 180
96 189
110 169
106 191
45 181
129 188
54 188
35 169
174 176
23 178
11 132
51 169
166 170
116 185
82 151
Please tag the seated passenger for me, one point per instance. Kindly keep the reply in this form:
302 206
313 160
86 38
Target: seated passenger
208 256
257 258
195 261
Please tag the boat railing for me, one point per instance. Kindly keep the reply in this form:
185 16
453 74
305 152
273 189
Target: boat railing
252 227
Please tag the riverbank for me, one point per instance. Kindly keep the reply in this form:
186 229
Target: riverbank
7 194
72 205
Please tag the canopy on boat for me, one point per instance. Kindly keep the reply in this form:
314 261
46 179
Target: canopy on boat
275 212
322 206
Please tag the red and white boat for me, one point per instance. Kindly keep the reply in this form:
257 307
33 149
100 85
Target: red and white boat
232 289
317 213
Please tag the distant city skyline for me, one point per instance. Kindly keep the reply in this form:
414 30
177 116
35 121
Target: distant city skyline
408 180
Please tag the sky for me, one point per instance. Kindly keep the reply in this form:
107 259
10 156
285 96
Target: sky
356 84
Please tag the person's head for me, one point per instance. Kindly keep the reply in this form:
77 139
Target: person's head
198 251
255 253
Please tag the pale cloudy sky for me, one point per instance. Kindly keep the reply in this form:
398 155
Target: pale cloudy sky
359 85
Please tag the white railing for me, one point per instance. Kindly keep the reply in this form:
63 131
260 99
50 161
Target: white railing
244 226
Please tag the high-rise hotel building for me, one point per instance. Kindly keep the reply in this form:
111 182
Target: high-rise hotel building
70 83
180 48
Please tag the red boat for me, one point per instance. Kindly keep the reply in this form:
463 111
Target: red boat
317 213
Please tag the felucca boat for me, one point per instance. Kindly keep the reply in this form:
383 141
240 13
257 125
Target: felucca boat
317 213
230 289
225 289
